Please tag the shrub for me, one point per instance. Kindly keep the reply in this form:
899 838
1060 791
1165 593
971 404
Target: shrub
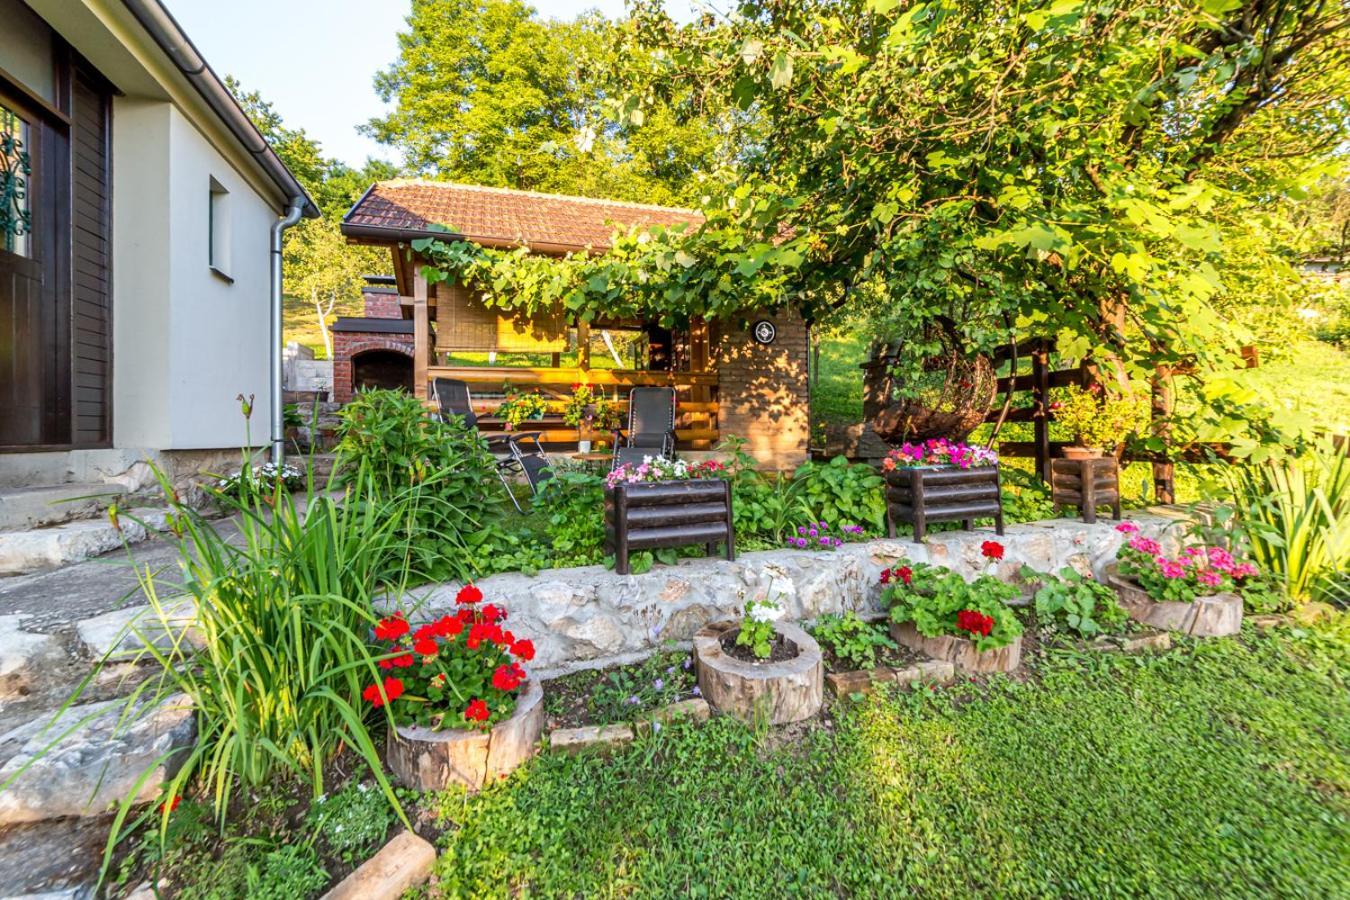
461 671
1076 602
352 822
851 640
939 601
840 491
1099 419
573 504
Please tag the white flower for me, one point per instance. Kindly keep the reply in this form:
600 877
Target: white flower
763 611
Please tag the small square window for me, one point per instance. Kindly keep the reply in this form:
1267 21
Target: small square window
218 231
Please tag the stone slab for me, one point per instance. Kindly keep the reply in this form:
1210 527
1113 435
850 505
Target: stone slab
126 632
23 552
24 657
402 863
601 738
695 709
33 507
862 681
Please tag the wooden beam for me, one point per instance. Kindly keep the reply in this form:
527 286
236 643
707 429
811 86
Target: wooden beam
421 334
1040 395
498 375
1164 474
583 345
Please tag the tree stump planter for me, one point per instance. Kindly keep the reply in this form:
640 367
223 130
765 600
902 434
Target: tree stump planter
779 692
654 514
427 760
959 651
1216 615
926 494
1086 483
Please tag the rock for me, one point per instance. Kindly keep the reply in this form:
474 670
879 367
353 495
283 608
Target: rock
958 650
126 632
692 710
24 657
778 692
858 681
83 761
59 858
44 548
428 760
402 863
1267 622
601 738
937 671
1158 642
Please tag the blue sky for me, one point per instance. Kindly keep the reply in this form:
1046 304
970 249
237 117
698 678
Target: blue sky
315 62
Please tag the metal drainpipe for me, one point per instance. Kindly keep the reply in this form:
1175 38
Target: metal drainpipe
293 214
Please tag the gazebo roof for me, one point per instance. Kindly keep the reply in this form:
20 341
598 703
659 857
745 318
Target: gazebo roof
403 209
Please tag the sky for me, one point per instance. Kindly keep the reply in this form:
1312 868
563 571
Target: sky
315 61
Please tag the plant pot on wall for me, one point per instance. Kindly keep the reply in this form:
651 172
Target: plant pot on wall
1215 615
1078 452
427 760
782 691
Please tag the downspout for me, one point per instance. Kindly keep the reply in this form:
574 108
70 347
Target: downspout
293 214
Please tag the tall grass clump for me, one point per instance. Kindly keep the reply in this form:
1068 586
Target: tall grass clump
1295 512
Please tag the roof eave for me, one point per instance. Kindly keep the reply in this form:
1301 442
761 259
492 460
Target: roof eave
383 234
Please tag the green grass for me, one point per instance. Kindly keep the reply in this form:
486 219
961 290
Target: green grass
1313 378
836 394
1219 769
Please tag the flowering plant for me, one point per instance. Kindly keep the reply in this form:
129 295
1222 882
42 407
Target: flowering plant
1098 419
520 406
938 452
816 536
580 409
939 601
460 671
659 468
1199 570
265 477
757 631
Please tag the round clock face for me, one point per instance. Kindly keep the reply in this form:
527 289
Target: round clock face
764 332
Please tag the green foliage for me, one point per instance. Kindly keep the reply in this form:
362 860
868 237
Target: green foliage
757 631
573 503
1076 602
521 406
853 641
1216 770
351 823
286 873
1099 420
936 596
842 492
1295 514
628 691
1025 497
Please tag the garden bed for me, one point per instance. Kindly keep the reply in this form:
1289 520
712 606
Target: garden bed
619 694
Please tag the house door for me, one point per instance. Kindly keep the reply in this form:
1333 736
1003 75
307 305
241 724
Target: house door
34 276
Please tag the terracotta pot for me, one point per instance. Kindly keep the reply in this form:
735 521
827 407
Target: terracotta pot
780 692
958 650
1083 453
1215 615
427 760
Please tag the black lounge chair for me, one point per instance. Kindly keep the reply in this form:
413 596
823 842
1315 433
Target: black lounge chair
513 456
651 426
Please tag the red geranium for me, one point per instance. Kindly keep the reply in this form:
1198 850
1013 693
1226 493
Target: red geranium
171 804
975 622
508 678
992 550
493 614
425 647
523 649
469 595
448 626
392 628
905 574
393 689
477 711
403 660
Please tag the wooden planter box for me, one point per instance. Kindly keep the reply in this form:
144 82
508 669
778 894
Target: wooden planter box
662 514
776 692
958 650
427 760
1086 484
942 494
1213 616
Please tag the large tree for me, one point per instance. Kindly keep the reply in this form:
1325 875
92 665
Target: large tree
487 92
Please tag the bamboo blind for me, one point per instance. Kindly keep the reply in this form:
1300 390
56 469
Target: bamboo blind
464 322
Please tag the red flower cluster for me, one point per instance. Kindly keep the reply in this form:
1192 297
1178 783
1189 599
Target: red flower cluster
992 550
899 573
393 689
508 677
477 711
975 622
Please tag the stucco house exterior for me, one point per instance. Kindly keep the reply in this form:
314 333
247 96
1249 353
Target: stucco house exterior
138 207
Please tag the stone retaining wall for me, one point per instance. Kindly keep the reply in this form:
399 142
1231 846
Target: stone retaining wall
590 616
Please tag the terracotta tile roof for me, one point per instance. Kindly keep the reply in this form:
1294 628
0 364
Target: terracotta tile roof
500 216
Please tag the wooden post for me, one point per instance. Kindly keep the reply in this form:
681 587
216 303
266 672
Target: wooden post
1164 475
1040 395
421 334
583 345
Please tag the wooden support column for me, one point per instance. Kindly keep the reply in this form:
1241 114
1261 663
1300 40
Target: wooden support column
1164 474
583 345
421 334
1040 395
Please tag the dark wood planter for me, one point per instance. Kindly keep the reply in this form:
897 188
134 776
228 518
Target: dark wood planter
943 494
1086 483
668 514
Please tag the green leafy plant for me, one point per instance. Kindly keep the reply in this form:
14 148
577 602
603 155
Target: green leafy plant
840 491
661 679
573 503
1098 418
757 630
286 873
580 407
351 823
939 601
261 479
1295 515
1074 601
853 641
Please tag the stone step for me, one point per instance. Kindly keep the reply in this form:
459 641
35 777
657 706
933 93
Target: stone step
25 508
34 550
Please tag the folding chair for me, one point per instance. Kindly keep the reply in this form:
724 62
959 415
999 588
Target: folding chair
651 426
513 457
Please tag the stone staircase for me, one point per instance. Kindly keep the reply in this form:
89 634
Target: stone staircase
53 525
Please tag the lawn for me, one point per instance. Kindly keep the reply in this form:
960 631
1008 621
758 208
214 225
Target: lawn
1218 769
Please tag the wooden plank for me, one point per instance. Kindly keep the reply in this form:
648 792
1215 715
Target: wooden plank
421 335
498 375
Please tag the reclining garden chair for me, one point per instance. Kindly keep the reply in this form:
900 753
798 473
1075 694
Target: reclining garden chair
651 426
511 450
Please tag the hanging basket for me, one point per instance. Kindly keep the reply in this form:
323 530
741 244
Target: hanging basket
950 399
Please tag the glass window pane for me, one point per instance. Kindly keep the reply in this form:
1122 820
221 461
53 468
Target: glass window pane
16 222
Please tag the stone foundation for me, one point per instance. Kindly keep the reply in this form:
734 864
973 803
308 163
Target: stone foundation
590 617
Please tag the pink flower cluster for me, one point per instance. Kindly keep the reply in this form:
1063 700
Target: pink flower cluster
938 452
1199 570
817 534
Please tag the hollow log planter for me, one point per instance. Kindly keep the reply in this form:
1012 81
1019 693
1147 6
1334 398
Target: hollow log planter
1215 615
1086 483
959 651
660 514
926 494
427 760
775 692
